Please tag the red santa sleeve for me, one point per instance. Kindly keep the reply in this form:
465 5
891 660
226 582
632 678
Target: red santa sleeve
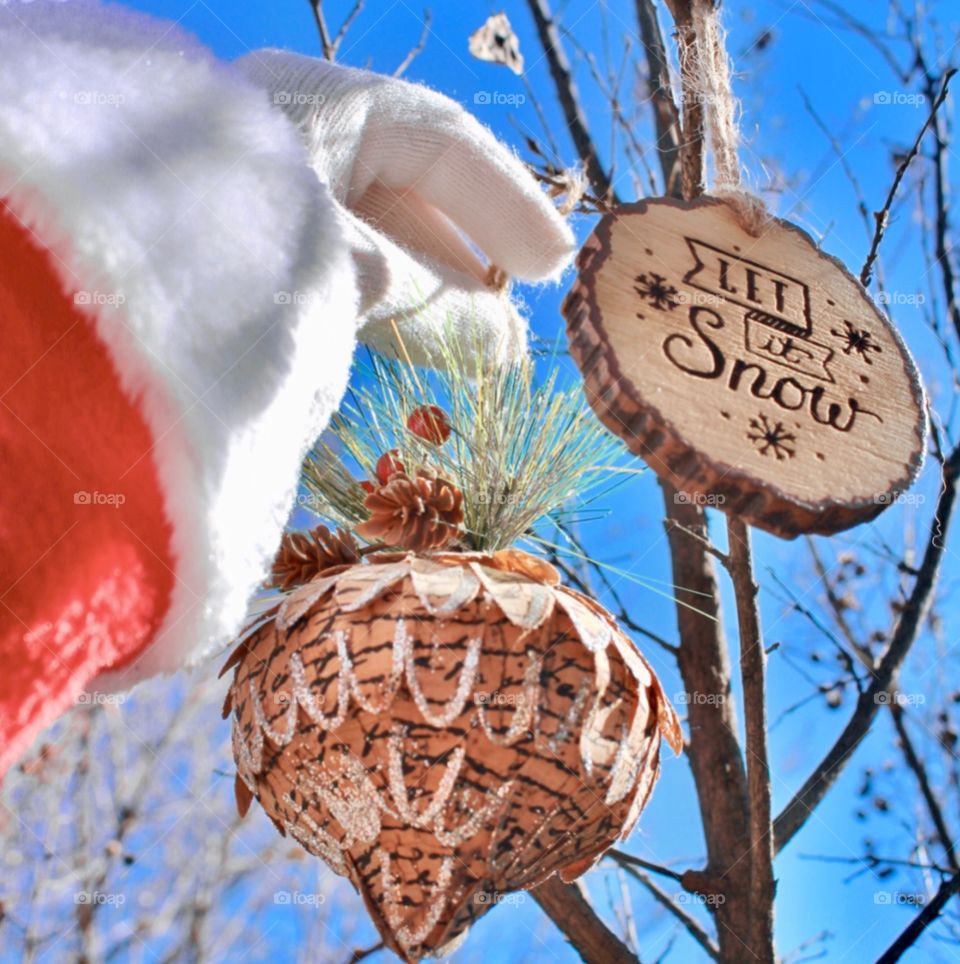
177 311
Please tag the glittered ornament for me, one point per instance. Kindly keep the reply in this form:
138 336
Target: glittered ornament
445 728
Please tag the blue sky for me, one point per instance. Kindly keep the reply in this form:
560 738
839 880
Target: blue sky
841 75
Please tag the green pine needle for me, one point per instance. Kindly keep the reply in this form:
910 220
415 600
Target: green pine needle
519 450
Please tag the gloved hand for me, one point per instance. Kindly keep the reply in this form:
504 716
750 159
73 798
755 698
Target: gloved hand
179 302
413 174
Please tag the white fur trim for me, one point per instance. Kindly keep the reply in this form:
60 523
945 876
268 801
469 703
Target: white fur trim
160 175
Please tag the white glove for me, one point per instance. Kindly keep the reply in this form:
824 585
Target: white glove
416 177
170 219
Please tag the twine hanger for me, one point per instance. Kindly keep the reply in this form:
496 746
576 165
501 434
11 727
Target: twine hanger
708 95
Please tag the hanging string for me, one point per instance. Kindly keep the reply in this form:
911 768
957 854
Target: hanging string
709 101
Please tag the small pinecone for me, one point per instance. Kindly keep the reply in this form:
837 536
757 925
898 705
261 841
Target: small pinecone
418 514
303 555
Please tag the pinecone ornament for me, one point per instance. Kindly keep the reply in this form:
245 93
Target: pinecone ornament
443 729
303 555
417 513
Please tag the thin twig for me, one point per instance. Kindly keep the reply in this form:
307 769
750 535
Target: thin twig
569 97
916 764
417 48
347 24
752 671
670 904
912 616
666 115
329 50
837 608
622 615
622 858
708 546
883 215
910 934
846 658
944 251
330 44
567 906
361 953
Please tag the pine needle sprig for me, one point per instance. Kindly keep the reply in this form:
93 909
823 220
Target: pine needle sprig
519 448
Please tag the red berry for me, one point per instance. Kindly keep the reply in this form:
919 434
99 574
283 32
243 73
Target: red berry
430 423
389 464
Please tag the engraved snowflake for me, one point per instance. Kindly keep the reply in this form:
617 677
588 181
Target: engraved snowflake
654 288
859 341
770 437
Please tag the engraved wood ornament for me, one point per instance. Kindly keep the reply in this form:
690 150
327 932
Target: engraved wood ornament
443 729
753 372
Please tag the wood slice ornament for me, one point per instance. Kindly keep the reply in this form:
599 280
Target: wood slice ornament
753 373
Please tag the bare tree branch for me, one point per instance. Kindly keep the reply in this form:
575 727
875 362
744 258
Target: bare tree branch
417 48
931 911
668 902
329 50
347 24
763 887
569 97
815 788
916 764
882 216
330 45
666 116
567 906
713 749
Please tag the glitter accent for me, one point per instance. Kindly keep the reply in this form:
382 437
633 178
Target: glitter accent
404 785
303 696
407 938
471 827
523 714
464 684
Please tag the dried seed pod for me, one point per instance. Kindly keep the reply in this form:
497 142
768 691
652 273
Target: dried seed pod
419 514
444 729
